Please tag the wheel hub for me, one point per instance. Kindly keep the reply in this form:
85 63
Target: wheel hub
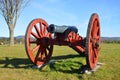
95 43
44 42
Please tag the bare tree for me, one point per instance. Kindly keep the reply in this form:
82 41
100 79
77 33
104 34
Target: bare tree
10 10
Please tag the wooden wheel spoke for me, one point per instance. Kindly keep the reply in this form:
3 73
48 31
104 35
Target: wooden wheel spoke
96 52
91 56
94 28
37 30
37 55
90 45
97 31
92 34
96 23
42 55
35 48
44 30
97 37
48 48
46 53
48 34
41 29
35 35
91 40
98 34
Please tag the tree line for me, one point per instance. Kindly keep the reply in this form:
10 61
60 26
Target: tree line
22 41
111 41
4 41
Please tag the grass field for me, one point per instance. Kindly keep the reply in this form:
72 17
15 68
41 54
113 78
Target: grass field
15 65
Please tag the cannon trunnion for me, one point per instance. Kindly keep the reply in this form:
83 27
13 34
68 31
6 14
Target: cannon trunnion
41 37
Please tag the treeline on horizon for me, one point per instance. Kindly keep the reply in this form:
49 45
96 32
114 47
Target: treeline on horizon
17 41
110 41
22 41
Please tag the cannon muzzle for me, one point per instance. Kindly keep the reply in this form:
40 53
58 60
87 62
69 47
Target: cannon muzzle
61 29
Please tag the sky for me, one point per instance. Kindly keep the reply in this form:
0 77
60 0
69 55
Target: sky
69 12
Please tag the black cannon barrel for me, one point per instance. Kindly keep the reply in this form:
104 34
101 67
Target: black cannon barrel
61 29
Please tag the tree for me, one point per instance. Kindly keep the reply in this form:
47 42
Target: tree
10 10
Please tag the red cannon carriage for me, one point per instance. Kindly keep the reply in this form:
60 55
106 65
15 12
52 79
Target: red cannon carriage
41 37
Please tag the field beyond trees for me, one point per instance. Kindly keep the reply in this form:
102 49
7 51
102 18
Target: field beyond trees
15 65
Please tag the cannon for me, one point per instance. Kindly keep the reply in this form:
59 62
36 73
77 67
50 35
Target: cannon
40 39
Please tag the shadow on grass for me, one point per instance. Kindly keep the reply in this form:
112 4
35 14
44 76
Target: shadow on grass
64 64
65 57
68 64
9 62
65 68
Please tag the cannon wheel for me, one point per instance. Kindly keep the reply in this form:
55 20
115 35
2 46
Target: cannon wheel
93 41
37 42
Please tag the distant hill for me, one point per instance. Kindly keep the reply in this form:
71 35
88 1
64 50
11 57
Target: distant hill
102 38
16 37
110 38
19 37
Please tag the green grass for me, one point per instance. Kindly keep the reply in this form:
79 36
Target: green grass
15 65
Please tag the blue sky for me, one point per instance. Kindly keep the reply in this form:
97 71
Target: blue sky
69 12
